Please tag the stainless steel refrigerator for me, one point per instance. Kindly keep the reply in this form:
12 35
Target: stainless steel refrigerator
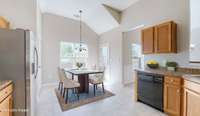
18 62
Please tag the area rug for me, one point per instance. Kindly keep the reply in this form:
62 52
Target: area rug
85 98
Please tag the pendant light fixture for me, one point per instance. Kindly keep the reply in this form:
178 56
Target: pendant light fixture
81 48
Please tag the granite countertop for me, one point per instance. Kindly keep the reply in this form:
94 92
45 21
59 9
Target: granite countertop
162 72
187 76
4 83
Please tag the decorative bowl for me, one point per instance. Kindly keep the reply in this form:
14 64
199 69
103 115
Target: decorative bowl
153 66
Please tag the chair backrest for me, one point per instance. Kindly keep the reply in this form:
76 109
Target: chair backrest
61 74
101 68
67 82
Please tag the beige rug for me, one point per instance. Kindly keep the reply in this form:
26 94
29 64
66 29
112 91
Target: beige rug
81 102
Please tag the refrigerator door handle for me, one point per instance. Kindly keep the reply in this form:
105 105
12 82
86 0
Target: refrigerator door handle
36 64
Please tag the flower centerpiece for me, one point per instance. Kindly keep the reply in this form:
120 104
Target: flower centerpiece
79 65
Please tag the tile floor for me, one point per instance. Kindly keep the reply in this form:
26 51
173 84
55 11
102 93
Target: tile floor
122 104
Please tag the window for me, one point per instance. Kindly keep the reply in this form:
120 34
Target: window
69 53
136 56
136 50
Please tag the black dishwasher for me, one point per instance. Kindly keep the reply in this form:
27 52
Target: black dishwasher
150 89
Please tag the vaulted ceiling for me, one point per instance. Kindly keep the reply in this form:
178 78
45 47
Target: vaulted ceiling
95 15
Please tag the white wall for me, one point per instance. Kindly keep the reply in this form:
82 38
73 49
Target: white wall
129 38
114 39
151 12
195 30
23 14
57 29
20 13
145 12
39 44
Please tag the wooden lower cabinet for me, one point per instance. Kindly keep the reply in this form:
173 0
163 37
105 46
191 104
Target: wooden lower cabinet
181 97
191 99
6 106
6 100
172 99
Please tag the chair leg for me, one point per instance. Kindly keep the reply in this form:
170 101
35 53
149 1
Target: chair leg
66 97
61 90
103 88
94 89
77 93
73 90
64 92
59 85
96 86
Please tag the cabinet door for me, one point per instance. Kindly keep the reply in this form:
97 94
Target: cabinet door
148 40
165 38
6 106
191 103
3 23
172 97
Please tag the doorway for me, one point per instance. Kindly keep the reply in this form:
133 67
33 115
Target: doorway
104 60
132 57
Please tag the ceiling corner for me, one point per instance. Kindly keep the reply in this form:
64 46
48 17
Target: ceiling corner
115 13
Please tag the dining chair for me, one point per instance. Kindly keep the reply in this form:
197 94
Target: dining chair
97 79
68 84
68 75
60 77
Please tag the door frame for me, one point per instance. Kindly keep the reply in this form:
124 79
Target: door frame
105 44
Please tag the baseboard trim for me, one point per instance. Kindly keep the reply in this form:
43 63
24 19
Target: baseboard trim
127 84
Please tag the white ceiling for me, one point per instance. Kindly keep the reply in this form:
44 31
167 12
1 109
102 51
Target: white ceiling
94 13
119 4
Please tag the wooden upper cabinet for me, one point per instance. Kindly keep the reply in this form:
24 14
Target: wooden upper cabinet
160 39
148 40
165 38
